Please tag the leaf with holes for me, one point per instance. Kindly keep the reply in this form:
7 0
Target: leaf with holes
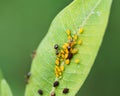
92 16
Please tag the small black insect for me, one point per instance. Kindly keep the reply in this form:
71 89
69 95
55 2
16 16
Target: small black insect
28 77
40 92
70 55
65 90
69 48
56 46
56 83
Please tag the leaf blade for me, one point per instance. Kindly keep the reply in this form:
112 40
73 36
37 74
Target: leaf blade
92 15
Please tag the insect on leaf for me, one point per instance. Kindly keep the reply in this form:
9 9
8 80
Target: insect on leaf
82 22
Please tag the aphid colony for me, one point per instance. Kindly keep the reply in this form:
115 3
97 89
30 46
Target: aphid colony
65 54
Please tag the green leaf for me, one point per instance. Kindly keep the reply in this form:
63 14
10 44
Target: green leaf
1 77
92 15
5 90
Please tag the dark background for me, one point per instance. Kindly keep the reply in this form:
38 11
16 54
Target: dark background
23 24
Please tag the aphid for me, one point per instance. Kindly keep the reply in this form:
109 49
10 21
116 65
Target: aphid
53 94
69 37
63 56
68 32
59 54
57 75
62 51
33 54
80 42
40 92
65 90
66 50
66 56
70 55
74 50
58 71
67 61
75 37
56 46
57 62
81 30
77 61
66 44
28 76
72 43
56 83
62 68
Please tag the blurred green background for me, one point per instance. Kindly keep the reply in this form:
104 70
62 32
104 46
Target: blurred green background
24 23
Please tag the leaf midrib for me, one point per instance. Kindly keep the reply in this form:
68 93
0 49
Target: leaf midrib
90 14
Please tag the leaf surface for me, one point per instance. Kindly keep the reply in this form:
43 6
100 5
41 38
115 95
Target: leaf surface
4 87
1 77
92 15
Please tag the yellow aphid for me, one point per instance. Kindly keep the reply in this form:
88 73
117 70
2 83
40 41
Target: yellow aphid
60 73
71 50
57 69
57 62
66 50
69 37
59 55
81 30
77 61
68 32
75 37
62 68
66 44
73 43
74 50
63 56
56 72
62 51
57 75
67 61
80 42
66 55
58 58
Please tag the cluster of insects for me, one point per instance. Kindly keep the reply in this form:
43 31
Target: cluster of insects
64 55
